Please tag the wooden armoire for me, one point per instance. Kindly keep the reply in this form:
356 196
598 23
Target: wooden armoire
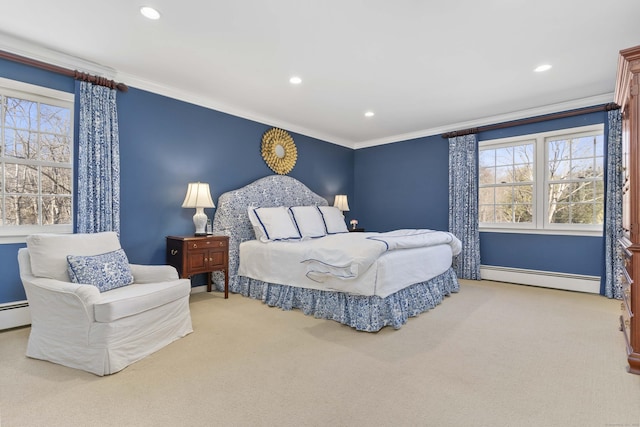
627 96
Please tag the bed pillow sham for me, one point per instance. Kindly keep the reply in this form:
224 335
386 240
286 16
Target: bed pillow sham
257 228
308 220
333 219
275 224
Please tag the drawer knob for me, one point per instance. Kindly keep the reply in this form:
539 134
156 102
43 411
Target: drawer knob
221 243
174 251
208 242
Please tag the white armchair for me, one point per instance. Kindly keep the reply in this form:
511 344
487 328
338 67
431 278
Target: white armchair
78 326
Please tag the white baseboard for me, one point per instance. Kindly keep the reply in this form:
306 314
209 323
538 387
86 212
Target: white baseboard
545 279
198 289
14 314
203 288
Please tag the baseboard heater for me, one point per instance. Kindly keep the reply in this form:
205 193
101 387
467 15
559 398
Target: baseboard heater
14 314
545 279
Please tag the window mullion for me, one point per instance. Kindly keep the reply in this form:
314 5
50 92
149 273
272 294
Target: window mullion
541 198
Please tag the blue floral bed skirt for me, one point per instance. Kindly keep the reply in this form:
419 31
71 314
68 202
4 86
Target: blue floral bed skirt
364 313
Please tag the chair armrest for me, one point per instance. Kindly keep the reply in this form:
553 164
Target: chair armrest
88 294
55 296
153 273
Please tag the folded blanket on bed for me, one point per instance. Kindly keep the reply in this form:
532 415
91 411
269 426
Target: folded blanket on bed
347 255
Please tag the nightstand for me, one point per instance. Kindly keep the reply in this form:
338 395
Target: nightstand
200 254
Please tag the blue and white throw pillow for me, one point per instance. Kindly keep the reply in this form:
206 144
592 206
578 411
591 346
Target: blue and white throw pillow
105 271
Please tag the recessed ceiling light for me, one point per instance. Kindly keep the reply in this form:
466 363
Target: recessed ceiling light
369 114
149 12
295 80
541 68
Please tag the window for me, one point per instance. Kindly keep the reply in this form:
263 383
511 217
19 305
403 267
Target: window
36 162
551 181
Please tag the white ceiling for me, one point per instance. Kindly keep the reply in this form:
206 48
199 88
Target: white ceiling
424 67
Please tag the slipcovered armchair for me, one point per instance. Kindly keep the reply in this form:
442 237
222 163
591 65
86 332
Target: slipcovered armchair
127 312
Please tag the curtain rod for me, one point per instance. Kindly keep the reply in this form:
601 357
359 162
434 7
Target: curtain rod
537 119
100 81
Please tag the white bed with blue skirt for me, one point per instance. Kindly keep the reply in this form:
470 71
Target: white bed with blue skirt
289 249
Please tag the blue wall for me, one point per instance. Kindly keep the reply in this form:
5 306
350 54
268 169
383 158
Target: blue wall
164 145
405 184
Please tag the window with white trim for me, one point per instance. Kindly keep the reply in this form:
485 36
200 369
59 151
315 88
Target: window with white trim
551 181
36 160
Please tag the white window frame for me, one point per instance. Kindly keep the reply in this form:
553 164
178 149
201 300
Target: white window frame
540 225
12 88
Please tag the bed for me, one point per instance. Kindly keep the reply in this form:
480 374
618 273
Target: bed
383 290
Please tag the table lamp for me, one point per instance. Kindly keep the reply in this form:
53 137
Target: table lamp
199 197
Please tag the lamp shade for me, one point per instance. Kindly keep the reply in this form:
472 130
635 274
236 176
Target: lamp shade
198 196
341 202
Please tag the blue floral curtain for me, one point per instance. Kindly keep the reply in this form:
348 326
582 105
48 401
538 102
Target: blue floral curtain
98 161
612 287
463 203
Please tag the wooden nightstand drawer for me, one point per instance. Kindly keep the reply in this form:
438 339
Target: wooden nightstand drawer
209 242
200 254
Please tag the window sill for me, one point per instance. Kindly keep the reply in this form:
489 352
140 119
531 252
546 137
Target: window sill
592 233
19 234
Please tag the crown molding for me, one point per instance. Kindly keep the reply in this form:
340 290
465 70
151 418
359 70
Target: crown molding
139 83
501 118
28 49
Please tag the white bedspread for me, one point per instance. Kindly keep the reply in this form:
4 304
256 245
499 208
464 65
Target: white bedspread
347 256
282 263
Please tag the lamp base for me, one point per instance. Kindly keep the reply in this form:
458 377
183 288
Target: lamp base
200 234
200 220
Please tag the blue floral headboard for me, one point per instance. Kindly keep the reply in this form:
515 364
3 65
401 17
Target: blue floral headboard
231 216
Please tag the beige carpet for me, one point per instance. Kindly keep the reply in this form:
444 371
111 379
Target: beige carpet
493 355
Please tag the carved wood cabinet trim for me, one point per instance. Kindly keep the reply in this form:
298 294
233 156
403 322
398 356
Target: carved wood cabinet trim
627 96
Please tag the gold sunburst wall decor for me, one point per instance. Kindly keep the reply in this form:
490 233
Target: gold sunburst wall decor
279 151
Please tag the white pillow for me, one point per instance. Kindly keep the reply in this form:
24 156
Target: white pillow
257 228
333 219
276 223
308 220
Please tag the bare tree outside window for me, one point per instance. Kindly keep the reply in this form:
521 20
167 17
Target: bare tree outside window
543 180
576 180
506 184
35 160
